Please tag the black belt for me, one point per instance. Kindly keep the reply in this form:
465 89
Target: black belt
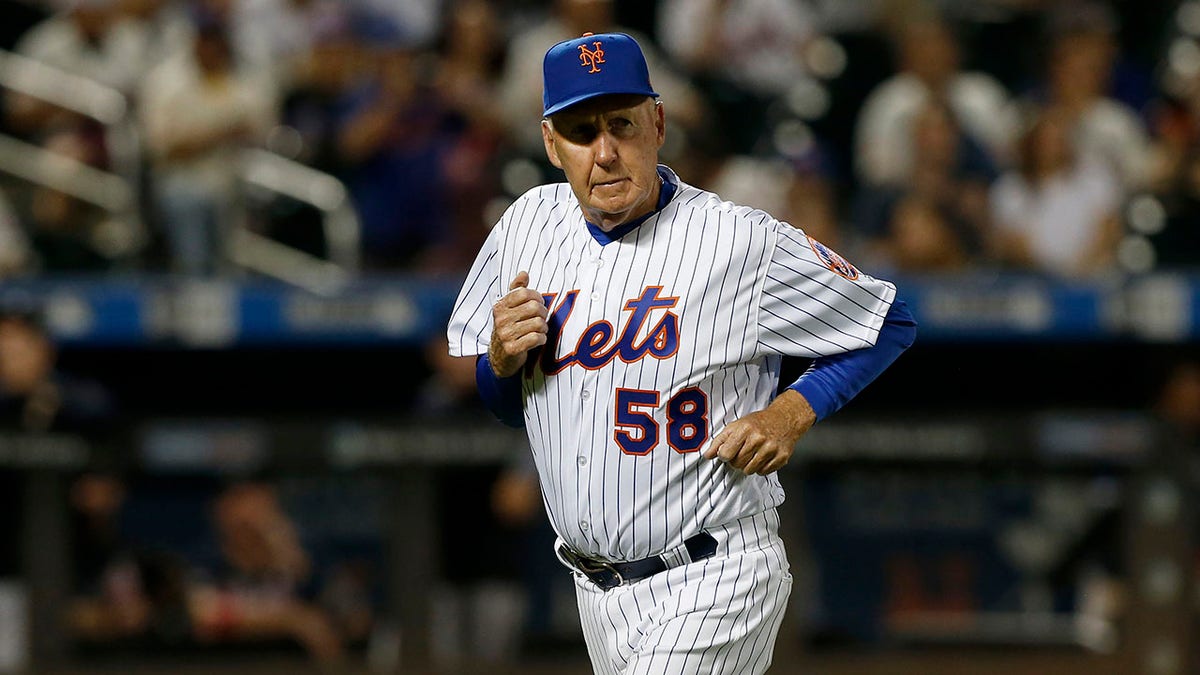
609 575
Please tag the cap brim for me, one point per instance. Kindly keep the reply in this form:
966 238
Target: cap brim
567 103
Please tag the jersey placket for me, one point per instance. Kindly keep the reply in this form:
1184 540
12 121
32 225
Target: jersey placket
590 308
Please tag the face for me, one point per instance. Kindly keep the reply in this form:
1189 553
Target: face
1081 66
929 50
608 147
1051 141
935 135
26 357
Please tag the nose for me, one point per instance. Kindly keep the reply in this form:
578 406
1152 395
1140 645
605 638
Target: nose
606 149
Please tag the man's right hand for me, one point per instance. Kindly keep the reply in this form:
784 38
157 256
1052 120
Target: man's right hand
519 323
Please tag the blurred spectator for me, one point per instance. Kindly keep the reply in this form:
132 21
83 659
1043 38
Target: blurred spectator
418 20
120 594
15 255
256 594
1058 212
319 96
795 184
744 55
929 67
758 44
468 72
197 112
392 146
937 218
67 235
521 88
1082 53
35 395
1178 401
162 25
88 38
921 237
276 38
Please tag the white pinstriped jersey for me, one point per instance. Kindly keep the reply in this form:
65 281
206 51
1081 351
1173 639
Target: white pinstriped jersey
658 339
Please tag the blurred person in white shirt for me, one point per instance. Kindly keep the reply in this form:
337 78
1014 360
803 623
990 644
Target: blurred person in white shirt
1058 213
1079 71
198 112
929 67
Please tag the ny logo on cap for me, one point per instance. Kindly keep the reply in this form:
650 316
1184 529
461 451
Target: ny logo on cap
591 57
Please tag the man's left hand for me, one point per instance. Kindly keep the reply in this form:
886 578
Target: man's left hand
762 442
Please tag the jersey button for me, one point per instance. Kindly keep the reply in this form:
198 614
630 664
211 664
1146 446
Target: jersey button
583 525
585 395
582 460
595 297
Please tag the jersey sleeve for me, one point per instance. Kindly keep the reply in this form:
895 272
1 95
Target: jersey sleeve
470 329
814 302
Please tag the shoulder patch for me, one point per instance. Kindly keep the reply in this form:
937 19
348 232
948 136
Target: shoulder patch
832 260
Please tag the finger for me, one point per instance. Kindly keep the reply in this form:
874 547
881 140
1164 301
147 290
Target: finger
758 461
730 448
775 465
717 443
519 281
534 307
528 341
520 296
748 450
524 327
511 323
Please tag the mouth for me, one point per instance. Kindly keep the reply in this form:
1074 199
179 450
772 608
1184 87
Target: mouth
608 183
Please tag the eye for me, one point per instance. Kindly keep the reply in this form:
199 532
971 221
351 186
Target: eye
620 125
581 133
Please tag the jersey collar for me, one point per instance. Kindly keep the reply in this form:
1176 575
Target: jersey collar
670 185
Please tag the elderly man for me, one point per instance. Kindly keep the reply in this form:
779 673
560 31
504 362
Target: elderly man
634 325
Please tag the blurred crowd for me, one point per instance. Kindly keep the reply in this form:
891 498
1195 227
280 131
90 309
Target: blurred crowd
1056 137
1053 136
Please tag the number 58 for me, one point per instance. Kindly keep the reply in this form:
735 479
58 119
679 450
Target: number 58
637 432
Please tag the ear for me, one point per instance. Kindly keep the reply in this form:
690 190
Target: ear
548 141
660 122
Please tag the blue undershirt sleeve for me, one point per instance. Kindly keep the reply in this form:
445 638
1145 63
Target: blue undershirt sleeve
501 395
831 381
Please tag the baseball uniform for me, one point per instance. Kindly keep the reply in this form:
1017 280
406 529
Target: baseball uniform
663 328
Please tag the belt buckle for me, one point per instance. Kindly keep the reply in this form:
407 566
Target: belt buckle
592 569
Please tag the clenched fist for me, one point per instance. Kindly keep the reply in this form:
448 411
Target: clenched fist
519 323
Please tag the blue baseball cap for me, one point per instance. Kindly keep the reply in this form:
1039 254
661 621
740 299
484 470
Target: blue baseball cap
590 66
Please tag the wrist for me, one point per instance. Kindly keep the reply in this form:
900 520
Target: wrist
502 365
796 411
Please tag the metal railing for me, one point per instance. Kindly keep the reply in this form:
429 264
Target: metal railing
66 174
340 226
118 193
